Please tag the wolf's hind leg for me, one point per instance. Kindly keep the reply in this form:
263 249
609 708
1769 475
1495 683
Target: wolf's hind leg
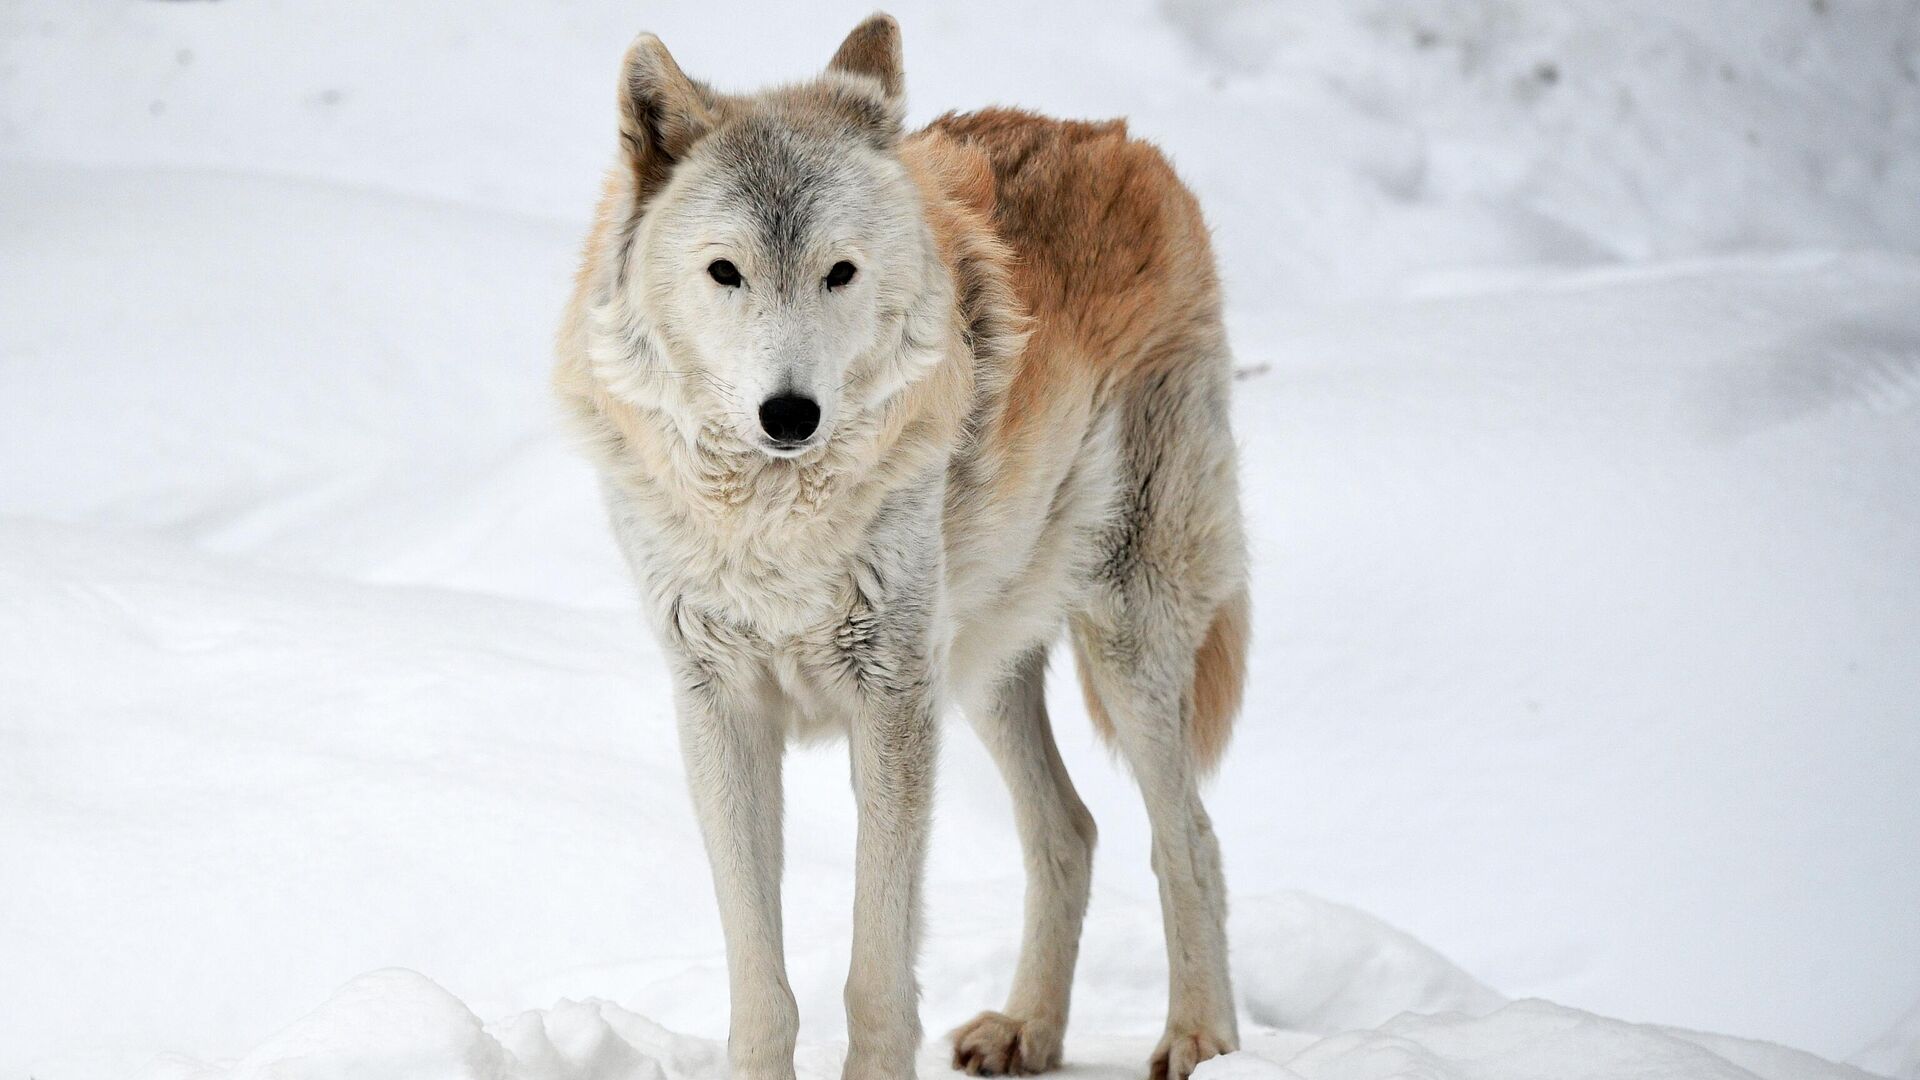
1161 646
1056 839
1140 675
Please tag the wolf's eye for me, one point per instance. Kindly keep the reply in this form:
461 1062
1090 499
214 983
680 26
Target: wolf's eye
724 272
841 273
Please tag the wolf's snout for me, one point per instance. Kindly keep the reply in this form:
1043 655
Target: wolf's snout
789 418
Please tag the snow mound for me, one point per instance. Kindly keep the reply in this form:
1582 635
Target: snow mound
1528 1040
1897 1053
1307 964
397 1024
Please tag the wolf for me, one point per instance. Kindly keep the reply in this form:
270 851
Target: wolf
876 413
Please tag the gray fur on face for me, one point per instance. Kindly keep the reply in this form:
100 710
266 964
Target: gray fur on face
791 185
784 191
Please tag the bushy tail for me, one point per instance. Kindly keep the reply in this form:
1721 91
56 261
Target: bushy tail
1219 677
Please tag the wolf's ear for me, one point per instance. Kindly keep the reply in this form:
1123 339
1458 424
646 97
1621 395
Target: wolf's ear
662 112
873 50
874 100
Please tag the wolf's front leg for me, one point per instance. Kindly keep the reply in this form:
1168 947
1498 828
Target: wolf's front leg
892 744
733 758
885 657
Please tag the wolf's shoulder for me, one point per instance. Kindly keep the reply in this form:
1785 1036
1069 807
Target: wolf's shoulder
1053 172
1110 249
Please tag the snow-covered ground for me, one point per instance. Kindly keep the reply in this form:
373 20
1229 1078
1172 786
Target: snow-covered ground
1580 428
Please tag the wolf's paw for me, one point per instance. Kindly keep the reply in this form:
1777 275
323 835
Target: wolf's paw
993 1044
1181 1050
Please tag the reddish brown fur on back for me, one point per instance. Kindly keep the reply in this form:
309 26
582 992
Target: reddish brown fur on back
1112 256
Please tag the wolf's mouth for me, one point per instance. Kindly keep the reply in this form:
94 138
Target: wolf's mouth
787 449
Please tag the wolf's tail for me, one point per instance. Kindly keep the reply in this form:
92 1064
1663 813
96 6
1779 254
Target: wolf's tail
1213 699
1219 677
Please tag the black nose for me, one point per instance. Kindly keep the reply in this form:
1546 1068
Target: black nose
789 418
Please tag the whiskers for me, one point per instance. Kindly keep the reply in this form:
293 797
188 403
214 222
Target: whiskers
714 383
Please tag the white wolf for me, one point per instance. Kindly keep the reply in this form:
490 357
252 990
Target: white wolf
876 414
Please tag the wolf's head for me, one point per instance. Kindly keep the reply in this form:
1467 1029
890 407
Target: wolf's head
767 272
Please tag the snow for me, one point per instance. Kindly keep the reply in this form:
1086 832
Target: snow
1531 1039
1583 365
396 1024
